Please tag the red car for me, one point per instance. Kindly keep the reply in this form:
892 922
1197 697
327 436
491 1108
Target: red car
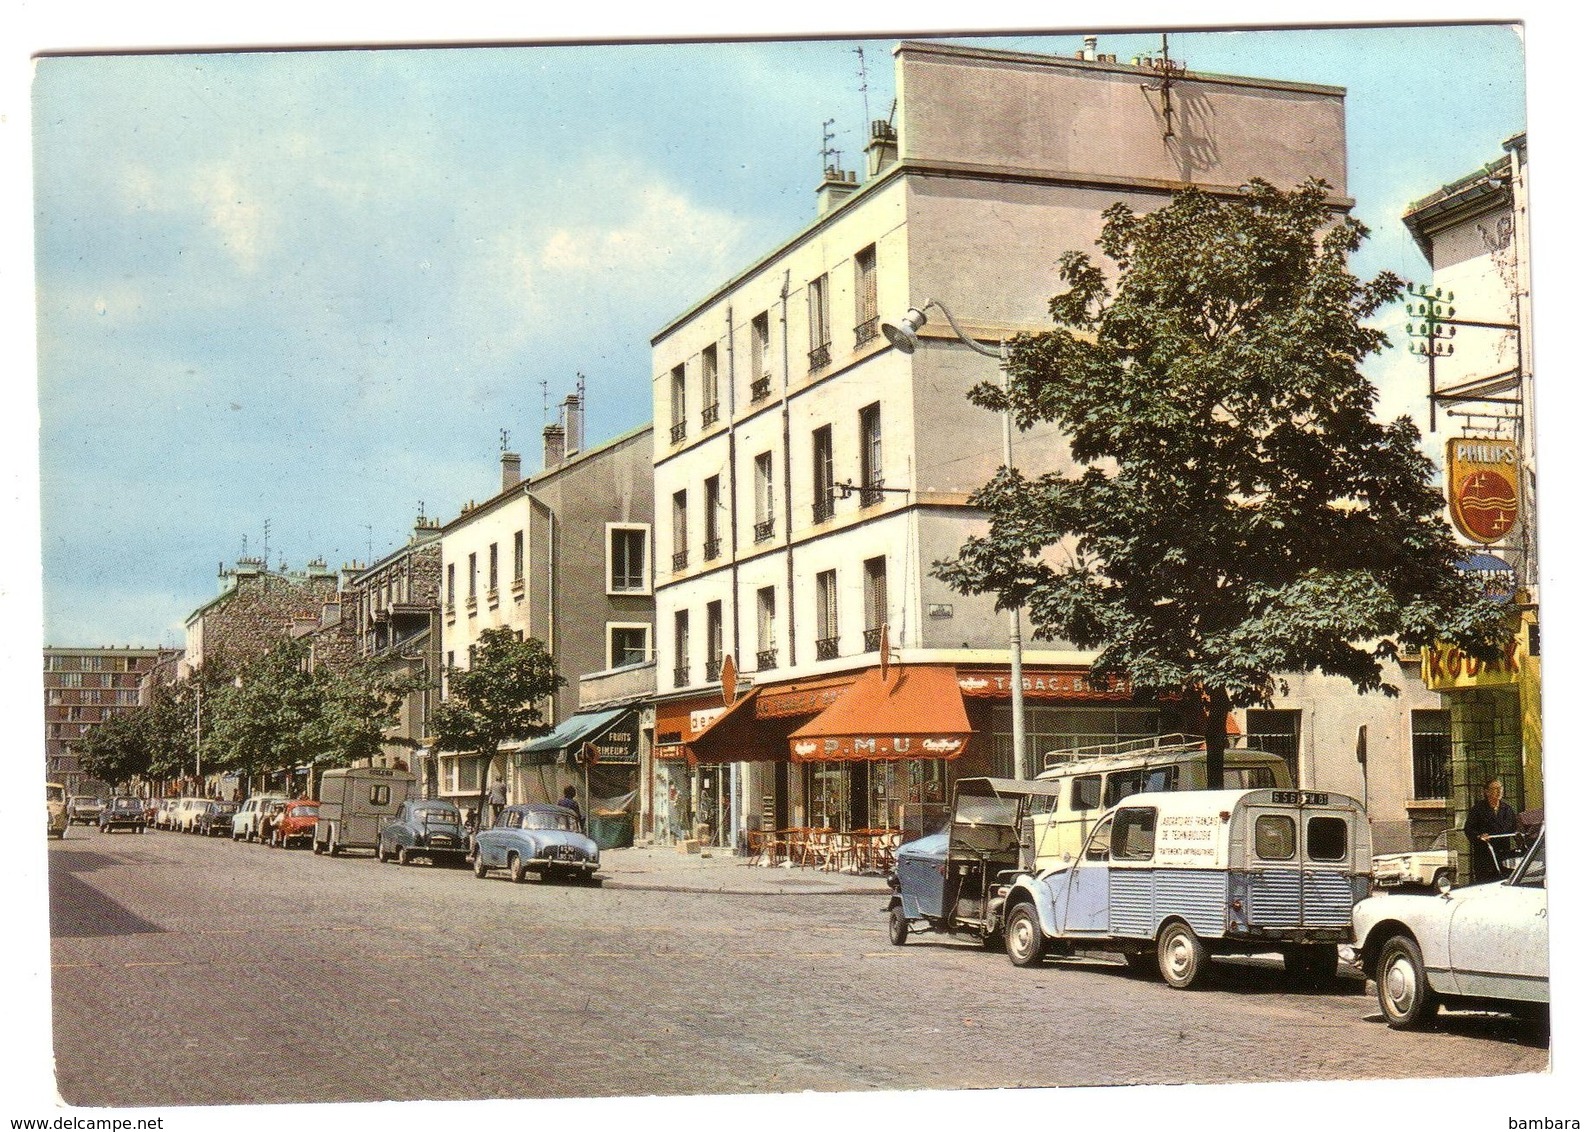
295 823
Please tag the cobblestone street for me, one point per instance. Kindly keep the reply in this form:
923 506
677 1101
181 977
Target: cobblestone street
191 971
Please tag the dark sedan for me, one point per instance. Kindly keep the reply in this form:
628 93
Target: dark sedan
424 827
123 813
216 820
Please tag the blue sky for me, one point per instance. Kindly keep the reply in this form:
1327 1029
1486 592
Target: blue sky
309 288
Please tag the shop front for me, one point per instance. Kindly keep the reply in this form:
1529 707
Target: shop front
598 753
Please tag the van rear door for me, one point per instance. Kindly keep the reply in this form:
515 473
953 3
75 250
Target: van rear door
1301 859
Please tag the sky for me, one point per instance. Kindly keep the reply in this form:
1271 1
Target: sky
287 298
310 289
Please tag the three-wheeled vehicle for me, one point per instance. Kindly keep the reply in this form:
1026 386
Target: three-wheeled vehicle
954 881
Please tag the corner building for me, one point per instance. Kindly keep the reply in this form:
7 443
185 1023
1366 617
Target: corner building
808 475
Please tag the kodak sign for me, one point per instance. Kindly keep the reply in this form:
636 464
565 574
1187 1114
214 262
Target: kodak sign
1482 487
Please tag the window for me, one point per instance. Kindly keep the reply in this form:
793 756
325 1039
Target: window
766 638
1098 846
1432 754
627 567
764 496
473 571
1275 837
1327 839
761 371
871 455
827 615
518 556
817 322
676 393
876 598
1276 732
714 640
1132 839
380 794
866 295
709 386
681 647
711 500
822 474
450 585
491 569
681 519
627 645
1085 792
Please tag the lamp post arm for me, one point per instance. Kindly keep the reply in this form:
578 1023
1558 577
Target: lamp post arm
987 351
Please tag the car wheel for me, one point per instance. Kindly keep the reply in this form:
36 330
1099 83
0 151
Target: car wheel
1024 941
899 930
516 869
1405 996
1312 965
318 847
1442 876
402 855
480 865
1183 958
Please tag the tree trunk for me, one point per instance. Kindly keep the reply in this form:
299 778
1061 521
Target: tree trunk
1217 706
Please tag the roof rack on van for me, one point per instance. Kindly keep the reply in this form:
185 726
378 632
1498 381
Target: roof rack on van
1171 744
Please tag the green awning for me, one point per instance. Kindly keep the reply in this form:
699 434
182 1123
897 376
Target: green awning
569 735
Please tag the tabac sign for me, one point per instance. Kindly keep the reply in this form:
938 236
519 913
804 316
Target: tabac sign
1482 486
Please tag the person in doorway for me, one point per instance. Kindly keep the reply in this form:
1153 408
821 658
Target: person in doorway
495 802
1490 818
569 802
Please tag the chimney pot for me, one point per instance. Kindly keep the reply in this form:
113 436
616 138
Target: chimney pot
510 470
552 446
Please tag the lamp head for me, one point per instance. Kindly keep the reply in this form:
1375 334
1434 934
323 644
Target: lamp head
903 336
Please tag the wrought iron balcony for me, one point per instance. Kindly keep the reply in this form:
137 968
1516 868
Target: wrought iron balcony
866 332
711 549
761 388
677 433
872 494
871 638
827 648
765 659
681 676
709 415
819 358
822 509
681 560
714 671
764 530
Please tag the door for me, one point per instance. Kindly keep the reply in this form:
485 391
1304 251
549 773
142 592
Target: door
1498 936
1087 896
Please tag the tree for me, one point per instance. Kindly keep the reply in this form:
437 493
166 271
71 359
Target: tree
359 707
117 749
1238 513
496 699
269 717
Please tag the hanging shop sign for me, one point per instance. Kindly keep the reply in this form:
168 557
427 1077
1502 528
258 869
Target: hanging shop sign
1447 668
1041 685
1495 574
1482 487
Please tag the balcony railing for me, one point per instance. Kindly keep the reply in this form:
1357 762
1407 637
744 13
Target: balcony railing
871 494
677 433
681 676
823 509
681 560
714 670
819 358
711 549
827 648
764 530
761 388
871 638
765 659
709 415
866 332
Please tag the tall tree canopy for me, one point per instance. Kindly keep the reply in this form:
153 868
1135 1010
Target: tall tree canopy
1238 512
498 698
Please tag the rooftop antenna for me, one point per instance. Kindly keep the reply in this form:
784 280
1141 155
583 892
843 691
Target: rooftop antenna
502 440
828 150
265 552
866 111
893 106
1169 69
544 409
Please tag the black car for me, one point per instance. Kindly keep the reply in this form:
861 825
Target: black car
423 827
216 820
123 813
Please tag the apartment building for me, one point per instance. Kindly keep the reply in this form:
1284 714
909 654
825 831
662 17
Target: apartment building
83 687
563 556
808 475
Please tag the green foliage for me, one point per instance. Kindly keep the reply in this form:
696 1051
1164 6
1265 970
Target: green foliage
1237 511
358 707
498 698
116 750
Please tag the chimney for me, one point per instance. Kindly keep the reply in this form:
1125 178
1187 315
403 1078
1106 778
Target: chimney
552 446
1090 48
573 424
883 149
510 470
836 186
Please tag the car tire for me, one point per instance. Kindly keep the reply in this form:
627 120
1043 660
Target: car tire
516 868
1183 958
1406 1000
1312 965
479 865
1440 876
1024 942
899 930
402 855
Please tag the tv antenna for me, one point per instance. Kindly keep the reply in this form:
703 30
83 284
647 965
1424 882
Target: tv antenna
502 440
265 553
828 150
866 112
1169 70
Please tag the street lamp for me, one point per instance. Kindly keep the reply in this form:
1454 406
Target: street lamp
903 337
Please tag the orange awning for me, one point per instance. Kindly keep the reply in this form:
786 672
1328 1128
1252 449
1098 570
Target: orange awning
733 737
913 713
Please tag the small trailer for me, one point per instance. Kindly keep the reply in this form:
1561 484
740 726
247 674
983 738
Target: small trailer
355 802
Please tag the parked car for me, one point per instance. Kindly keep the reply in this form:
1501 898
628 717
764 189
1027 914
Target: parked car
55 809
1424 868
269 816
295 824
216 820
161 817
423 827
246 822
1484 944
123 813
84 810
537 838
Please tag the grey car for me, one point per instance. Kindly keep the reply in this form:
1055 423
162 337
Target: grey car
423 827
537 838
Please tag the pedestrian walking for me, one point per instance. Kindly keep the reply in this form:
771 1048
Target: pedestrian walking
569 802
1489 818
498 799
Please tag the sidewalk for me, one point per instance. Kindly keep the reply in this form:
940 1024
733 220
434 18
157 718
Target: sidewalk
720 871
